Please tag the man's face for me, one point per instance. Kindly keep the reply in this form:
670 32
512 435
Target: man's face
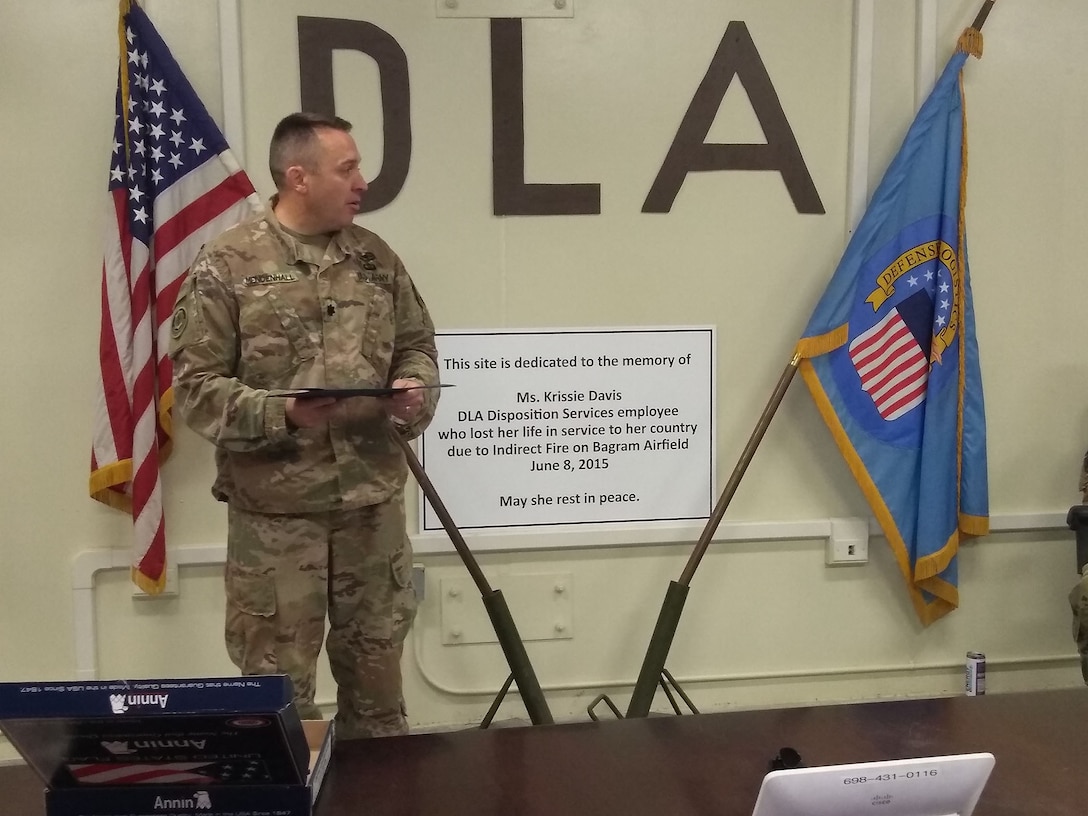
334 185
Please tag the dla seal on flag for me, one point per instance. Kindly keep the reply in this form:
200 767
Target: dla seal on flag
891 359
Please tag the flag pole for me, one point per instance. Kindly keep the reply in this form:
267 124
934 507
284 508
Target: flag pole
653 665
521 670
739 469
983 13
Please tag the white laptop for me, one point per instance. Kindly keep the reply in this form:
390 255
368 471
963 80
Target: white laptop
930 786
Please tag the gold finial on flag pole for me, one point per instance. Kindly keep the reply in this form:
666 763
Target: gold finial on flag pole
971 39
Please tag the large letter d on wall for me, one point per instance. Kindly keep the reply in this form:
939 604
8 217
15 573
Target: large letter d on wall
318 37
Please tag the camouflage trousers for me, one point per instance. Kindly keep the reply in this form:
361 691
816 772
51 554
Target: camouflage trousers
286 573
1078 601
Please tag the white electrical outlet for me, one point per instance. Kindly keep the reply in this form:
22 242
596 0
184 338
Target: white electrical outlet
848 542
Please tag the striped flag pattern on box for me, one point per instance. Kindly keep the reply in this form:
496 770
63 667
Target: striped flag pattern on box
163 773
198 772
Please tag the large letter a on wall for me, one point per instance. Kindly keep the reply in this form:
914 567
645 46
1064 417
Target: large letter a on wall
736 56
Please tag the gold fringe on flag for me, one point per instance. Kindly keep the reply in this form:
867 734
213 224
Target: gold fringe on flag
824 343
971 42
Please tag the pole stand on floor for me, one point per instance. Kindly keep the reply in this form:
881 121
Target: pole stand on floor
521 670
653 673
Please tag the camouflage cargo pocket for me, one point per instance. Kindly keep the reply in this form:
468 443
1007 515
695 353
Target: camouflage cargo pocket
379 338
1078 601
251 591
276 343
249 631
404 594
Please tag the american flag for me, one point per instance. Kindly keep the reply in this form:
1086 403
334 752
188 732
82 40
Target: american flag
173 185
892 357
891 365
163 773
237 772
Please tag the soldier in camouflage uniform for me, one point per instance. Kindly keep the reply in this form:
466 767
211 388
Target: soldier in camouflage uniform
302 297
1082 486
1078 596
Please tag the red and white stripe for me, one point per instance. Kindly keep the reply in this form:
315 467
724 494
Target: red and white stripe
893 368
164 773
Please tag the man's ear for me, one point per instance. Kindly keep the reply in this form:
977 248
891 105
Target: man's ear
296 178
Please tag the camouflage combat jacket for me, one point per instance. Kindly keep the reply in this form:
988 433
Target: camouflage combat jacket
1083 483
261 311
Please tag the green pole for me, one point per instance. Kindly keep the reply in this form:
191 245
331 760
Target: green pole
509 639
654 662
661 640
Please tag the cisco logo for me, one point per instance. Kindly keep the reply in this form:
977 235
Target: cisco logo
198 801
120 703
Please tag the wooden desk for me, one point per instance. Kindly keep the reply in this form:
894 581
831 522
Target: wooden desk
709 764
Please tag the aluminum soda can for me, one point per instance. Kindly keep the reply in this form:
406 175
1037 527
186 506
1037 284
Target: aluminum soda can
975 674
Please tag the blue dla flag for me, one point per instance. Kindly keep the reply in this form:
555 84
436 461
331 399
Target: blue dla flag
891 359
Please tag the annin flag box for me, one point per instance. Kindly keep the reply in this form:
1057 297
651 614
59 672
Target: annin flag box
209 746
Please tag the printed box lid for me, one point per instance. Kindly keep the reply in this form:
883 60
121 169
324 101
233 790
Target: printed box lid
206 731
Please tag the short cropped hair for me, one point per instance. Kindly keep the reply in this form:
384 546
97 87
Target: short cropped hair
293 141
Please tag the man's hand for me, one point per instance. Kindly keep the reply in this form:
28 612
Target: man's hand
308 413
404 405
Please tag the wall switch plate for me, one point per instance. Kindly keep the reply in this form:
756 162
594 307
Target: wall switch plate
848 542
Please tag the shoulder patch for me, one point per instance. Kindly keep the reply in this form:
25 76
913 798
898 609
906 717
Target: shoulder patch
179 322
187 322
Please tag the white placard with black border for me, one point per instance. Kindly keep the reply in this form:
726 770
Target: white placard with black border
548 427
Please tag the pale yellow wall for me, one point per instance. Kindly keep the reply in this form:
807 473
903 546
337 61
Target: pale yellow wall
766 623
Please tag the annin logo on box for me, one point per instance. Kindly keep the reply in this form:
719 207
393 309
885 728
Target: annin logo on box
118 748
120 703
200 800
123 748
